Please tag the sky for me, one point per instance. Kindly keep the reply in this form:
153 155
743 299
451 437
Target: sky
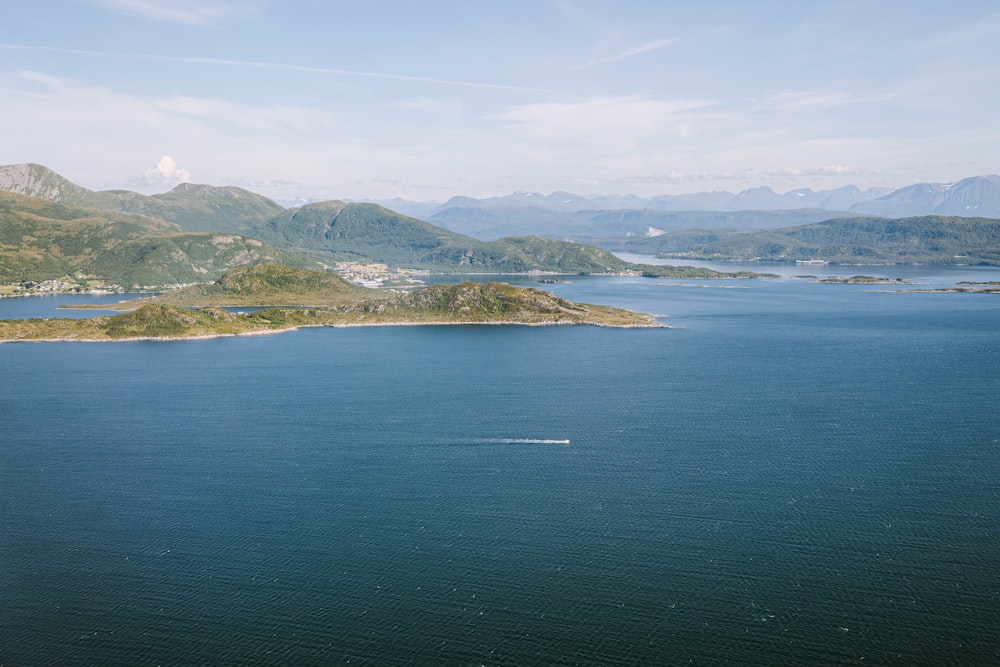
323 99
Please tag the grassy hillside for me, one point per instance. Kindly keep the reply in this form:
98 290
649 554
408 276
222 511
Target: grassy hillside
158 253
927 239
195 208
344 303
204 208
365 232
41 240
467 303
492 302
371 233
270 285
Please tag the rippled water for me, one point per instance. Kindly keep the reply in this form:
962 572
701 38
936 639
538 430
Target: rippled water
798 473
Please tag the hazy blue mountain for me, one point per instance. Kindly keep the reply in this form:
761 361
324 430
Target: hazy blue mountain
557 201
569 216
977 196
695 201
415 209
759 198
493 223
489 223
908 201
842 199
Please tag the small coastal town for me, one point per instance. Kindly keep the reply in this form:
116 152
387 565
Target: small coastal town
378 275
375 276
65 285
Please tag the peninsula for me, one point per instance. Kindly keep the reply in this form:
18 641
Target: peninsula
294 298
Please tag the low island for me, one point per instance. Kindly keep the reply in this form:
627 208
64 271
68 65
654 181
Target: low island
864 280
294 298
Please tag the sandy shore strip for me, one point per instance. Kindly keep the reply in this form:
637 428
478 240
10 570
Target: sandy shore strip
347 325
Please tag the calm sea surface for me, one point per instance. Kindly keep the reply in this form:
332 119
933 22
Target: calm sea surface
798 473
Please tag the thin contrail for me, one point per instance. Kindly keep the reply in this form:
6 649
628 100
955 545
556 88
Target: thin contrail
197 60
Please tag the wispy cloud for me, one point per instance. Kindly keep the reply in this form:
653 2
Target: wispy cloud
630 52
90 132
983 28
808 100
189 12
444 108
103 124
253 64
109 108
620 123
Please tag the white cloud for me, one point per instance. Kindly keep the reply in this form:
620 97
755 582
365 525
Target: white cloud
103 137
832 170
92 132
165 174
443 108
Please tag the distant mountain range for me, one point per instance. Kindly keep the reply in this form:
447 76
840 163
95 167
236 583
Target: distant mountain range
760 198
567 215
51 227
976 196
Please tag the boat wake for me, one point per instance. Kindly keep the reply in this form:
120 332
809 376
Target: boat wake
527 441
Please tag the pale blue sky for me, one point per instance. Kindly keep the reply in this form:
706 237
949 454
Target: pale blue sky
424 100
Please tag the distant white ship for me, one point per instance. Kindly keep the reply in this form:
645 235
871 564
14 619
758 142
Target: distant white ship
816 262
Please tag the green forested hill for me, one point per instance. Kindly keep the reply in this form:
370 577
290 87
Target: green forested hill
134 239
369 232
195 208
205 208
271 285
926 239
41 240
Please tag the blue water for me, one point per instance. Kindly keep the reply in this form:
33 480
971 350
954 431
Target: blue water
54 305
798 473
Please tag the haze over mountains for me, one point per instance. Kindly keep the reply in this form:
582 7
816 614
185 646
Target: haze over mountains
51 227
918 199
567 215
977 196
